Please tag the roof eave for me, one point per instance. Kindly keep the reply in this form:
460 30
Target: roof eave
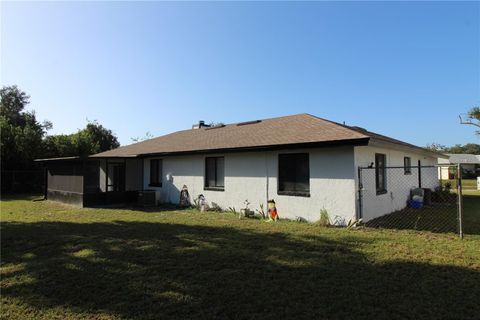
318 144
59 159
411 148
100 156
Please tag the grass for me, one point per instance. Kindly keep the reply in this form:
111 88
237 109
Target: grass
60 262
467 184
441 216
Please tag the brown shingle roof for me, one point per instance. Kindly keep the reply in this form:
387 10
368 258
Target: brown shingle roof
282 131
297 130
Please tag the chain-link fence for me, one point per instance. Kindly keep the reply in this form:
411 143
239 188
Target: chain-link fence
22 181
416 198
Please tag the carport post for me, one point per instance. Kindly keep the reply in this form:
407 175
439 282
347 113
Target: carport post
45 182
460 200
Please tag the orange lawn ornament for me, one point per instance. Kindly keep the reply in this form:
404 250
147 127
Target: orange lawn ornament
272 210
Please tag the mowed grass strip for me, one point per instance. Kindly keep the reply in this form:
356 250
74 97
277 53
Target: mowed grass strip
68 263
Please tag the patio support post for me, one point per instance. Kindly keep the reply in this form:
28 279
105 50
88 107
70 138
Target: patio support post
45 183
106 175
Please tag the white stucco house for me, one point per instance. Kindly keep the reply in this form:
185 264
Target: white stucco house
303 162
470 164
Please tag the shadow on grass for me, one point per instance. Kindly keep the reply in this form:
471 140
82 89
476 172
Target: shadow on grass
157 271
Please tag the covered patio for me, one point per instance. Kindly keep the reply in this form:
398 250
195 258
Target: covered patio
92 182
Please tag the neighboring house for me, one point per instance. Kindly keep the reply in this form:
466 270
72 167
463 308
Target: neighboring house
303 162
470 164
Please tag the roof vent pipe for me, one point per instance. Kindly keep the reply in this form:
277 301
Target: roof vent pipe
201 124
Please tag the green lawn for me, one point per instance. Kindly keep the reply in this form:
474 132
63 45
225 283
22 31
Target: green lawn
438 217
467 184
65 263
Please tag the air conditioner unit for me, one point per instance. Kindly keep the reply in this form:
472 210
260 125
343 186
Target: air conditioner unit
146 198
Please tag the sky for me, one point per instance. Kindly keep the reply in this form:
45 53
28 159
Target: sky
403 69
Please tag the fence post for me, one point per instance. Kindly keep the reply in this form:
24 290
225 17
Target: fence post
419 173
360 186
460 200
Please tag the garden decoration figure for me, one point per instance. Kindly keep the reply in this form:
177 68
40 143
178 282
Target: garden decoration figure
272 210
202 203
246 212
184 197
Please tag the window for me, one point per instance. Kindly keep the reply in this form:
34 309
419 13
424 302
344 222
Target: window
156 173
380 173
294 174
407 165
215 173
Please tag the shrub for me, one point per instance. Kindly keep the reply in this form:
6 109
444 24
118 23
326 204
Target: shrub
324 220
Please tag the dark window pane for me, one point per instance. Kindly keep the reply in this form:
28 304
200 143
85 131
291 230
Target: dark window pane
294 172
214 172
407 165
302 173
380 171
155 172
220 172
286 172
160 172
116 177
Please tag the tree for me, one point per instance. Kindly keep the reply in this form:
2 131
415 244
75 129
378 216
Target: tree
436 147
474 113
98 138
21 133
470 148
94 138
473 118
147 136
23 137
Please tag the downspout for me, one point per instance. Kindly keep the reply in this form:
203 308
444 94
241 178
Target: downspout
360 200
266 177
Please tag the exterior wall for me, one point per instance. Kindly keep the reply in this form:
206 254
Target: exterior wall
398 183
133 175
467 171
444 172
253 176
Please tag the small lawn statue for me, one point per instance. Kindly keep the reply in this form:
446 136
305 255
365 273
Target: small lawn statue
202 203
272 210
246 212
184 197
